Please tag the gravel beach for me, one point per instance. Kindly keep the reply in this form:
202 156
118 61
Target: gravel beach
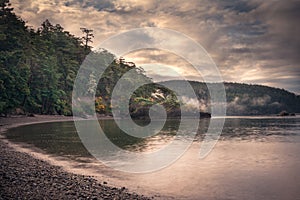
25 177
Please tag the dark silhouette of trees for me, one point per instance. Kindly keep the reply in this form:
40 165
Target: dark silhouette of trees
88 36
38 69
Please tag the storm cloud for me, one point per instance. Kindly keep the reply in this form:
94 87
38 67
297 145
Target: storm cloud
251 41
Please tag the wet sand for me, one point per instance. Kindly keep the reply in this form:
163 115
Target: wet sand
24 177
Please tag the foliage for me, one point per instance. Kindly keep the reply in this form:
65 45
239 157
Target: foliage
37 67
99 105
245 99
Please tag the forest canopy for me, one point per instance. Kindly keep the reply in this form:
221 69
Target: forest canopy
38 68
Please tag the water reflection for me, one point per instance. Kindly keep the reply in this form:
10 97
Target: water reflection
257 158
61 138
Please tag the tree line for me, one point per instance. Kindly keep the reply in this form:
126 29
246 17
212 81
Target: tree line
38 69
245 99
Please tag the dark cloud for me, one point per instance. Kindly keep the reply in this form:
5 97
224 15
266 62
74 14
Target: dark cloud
100 5
284 29
239 6
251 41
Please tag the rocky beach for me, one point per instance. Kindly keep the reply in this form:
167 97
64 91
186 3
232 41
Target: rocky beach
25 177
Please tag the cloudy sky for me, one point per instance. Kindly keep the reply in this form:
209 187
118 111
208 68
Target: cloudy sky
251 41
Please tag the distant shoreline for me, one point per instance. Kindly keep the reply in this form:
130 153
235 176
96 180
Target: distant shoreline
20 120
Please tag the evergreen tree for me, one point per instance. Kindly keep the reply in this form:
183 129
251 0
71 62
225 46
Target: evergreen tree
14 66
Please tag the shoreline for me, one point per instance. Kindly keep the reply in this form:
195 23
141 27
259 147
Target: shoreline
25 175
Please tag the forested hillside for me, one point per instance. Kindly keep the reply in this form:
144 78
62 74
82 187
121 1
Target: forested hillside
245 99
38 69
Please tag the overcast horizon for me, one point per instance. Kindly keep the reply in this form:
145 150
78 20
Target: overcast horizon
255 42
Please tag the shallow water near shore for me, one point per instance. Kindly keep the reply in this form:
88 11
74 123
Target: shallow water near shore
255 158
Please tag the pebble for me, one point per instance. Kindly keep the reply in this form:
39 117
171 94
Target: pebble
24 177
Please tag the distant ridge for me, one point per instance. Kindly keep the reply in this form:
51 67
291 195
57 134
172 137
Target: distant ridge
245 99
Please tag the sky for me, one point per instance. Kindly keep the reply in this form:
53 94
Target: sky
250 41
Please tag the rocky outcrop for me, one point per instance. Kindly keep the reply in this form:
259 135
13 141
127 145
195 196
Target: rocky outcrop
285 113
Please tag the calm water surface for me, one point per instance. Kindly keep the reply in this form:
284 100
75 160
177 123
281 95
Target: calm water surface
255 158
